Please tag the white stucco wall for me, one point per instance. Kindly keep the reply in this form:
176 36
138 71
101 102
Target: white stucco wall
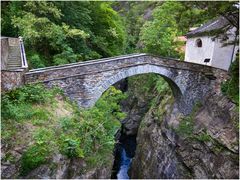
223 55
198 54
220 56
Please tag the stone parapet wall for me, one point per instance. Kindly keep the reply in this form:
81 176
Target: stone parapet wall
80 69
11 80
13 41
4 52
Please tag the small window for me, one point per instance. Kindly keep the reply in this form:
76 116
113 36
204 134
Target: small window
207 60
199 43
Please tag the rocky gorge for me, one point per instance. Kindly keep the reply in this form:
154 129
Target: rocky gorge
170 145
159 141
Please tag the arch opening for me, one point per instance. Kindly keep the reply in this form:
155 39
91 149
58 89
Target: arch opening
136 106
169 76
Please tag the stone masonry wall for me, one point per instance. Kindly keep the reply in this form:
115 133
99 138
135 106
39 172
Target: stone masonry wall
11 80
4 53
85 82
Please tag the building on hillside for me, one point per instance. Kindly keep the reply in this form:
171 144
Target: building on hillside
207 44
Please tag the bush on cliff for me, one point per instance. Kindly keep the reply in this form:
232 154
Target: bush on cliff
231 86
41 123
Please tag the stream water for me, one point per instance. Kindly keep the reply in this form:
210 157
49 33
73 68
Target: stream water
125 163
124 152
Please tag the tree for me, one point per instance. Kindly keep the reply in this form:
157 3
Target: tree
37 23
64 32
109 35
213 9
158 35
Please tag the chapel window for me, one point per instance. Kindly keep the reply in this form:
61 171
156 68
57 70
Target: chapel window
199 43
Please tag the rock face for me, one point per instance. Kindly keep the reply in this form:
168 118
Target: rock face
210 151
60 167
69 169
135 108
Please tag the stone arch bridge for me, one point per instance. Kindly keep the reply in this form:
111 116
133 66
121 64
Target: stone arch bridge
85 82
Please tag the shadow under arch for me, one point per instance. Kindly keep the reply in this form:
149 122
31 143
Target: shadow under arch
103 85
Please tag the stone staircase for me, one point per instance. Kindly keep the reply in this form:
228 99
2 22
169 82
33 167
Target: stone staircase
14 58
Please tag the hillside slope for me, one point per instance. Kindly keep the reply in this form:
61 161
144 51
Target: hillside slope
44 135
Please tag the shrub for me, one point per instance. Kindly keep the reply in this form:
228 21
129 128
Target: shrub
203 137
17 104
39 152
88 132
67 56
162 86
40 116
35 61
71 147
231 86
35 93
43 136
33 157
185 127
67 123
16 112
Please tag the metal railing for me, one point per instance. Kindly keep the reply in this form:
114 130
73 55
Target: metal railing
23 54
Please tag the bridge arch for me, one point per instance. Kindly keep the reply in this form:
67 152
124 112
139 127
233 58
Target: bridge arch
86 82
169 76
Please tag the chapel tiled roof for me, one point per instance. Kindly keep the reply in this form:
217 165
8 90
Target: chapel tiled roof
209 27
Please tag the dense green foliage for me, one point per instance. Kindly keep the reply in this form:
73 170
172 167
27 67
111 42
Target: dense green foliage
134 17
153 27
151 88
16 105
231 86
64 32
34 157
159 34
87 134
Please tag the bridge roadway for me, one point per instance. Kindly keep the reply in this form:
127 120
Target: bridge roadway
85 82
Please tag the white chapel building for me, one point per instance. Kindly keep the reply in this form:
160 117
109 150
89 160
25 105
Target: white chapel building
203 47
